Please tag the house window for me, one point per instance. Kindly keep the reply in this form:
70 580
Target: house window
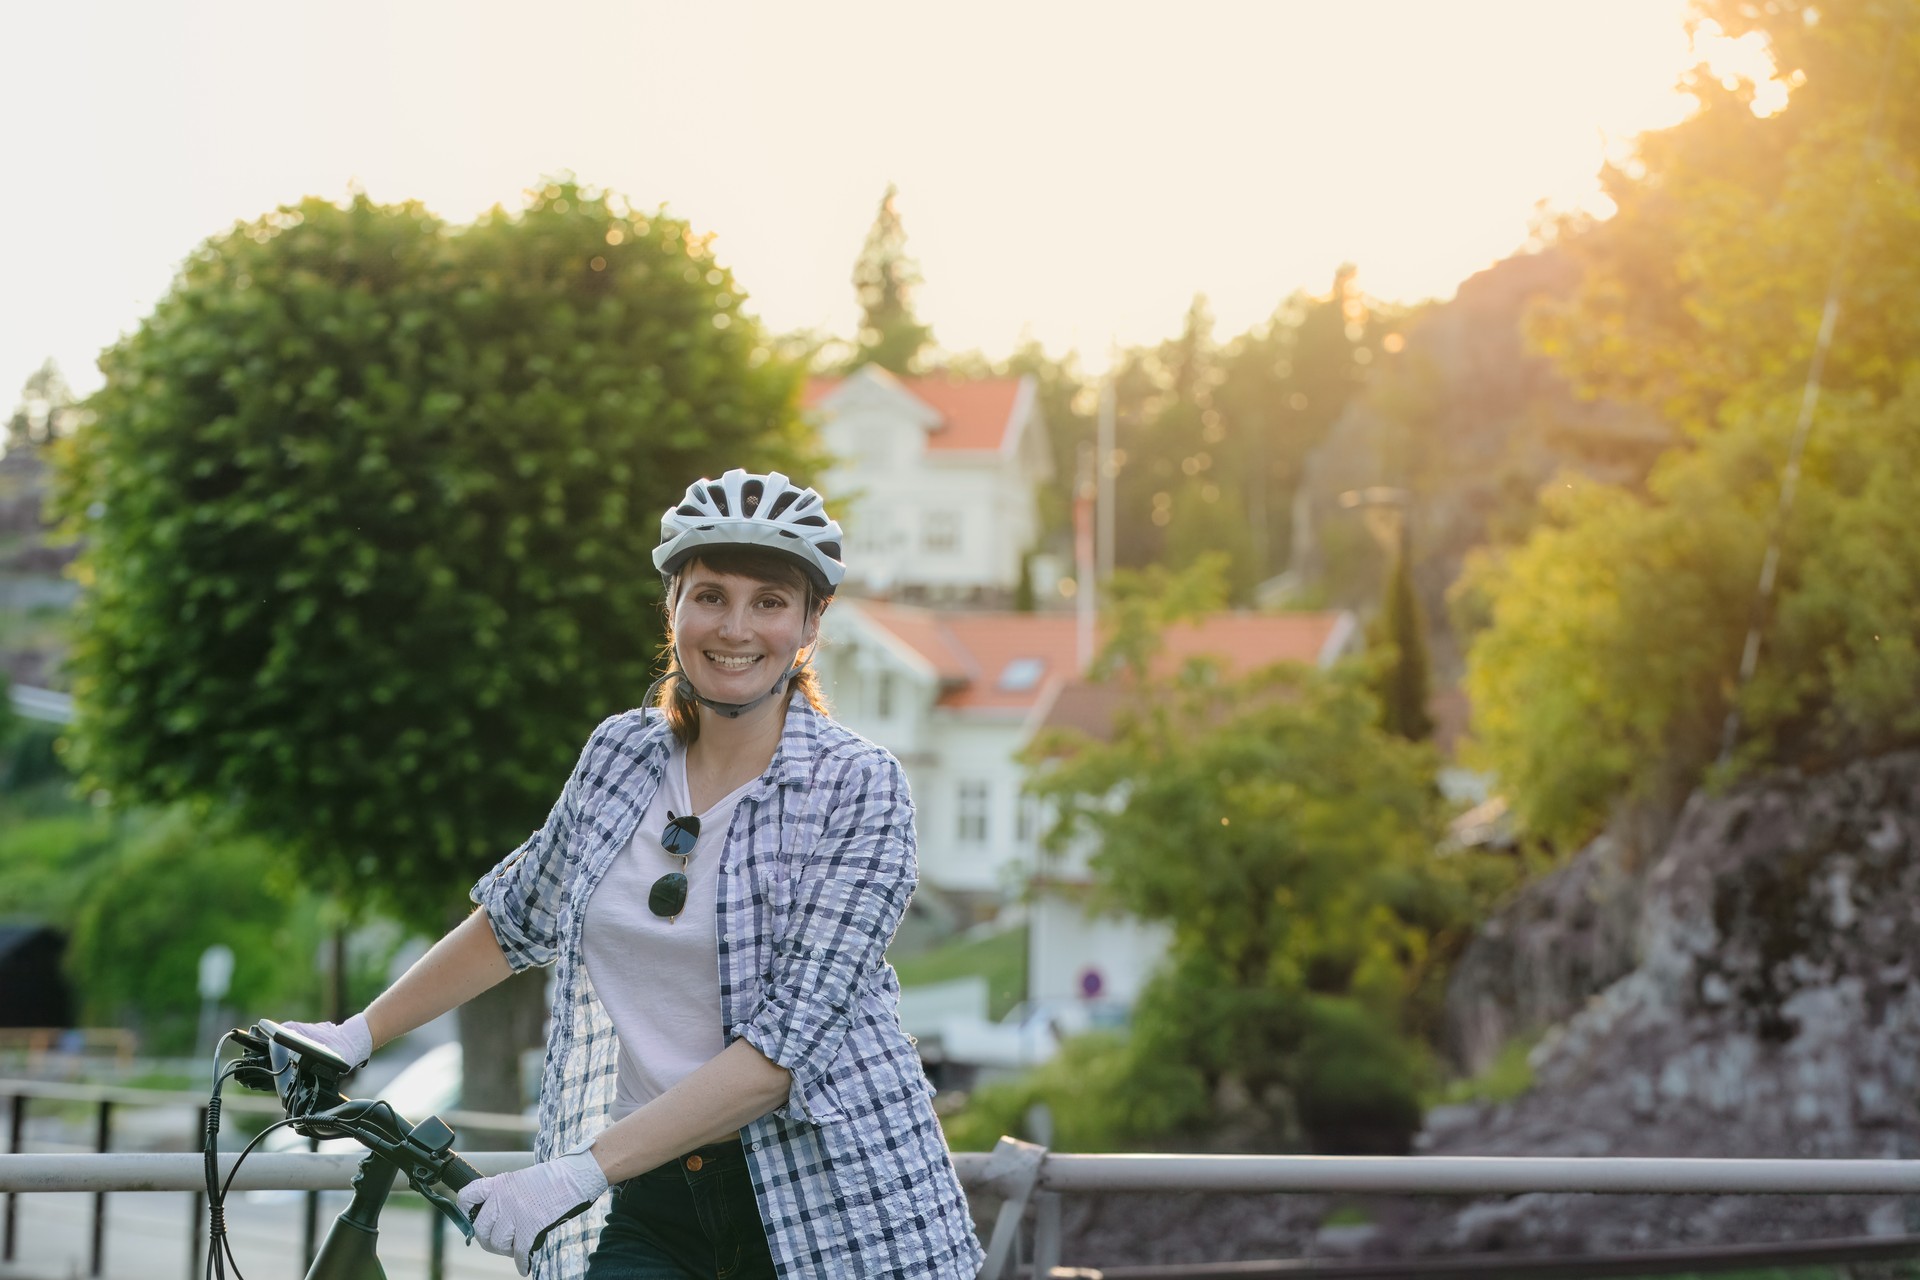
883 696
1025 818
972 827
941 532
1022 674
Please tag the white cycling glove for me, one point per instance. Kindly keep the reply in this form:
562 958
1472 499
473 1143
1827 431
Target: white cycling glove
514 1208
350 1039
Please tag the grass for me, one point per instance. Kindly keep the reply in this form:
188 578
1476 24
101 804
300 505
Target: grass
1509 1076
1001 958
1348 1215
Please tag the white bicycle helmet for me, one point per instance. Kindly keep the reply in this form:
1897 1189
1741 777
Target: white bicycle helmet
745 509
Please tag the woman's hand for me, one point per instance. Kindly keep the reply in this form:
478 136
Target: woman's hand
349 1040
515 1209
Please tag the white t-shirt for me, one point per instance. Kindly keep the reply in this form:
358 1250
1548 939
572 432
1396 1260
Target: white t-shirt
659 979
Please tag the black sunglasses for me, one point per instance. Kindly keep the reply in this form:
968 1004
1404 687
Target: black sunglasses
669 893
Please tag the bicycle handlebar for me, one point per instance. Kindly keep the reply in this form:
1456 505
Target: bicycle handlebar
306 1077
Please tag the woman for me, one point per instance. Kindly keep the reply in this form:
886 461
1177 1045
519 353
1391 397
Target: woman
716 888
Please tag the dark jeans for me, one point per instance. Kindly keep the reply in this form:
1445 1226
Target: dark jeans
692 1217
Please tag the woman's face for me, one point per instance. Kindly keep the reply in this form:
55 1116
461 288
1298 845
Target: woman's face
736 635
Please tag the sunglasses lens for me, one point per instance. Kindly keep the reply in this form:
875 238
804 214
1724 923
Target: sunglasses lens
669 894
680 836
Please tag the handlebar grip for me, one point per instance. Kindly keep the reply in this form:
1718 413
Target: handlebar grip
458 1173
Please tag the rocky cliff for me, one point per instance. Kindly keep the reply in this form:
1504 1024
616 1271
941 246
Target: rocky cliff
1768 1004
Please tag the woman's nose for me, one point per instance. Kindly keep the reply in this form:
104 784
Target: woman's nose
734 622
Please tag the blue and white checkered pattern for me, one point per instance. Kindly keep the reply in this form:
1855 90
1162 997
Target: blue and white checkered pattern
852 1173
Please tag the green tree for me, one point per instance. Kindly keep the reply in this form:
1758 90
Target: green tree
149 910
1705 290
1607 669
1287 840
884 278
1616 632
1213 438
1282 386
369 503
1406 679
46 410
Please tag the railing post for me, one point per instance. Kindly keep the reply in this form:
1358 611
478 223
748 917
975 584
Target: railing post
1046 1204
1046 1233
436 1244
1013 1170
198 1213
16 1131
103 1132
310 1236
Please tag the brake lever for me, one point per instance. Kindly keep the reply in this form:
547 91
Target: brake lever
446 1204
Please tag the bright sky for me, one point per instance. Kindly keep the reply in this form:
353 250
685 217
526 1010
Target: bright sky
1071 171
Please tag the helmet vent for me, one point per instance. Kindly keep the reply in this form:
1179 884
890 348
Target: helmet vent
750 493
718 496
781 503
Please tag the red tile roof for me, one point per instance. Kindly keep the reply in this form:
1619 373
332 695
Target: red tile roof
974 414
973 651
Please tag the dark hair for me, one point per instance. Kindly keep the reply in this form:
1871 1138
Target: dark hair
674 698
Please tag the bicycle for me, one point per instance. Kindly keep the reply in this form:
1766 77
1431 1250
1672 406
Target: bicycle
306 1077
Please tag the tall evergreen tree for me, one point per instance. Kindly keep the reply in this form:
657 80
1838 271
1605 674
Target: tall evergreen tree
884 278
1406 684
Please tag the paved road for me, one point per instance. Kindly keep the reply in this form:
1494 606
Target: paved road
148 1238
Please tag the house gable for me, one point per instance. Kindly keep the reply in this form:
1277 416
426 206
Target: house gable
935 480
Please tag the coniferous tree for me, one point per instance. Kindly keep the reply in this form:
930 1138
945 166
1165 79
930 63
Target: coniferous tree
1406 684
884 278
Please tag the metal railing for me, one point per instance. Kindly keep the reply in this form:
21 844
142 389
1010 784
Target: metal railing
104 1171
1028 1179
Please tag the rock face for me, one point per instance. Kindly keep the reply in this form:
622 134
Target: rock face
1774 1011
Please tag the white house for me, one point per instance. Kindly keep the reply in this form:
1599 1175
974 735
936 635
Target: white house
934 480
957 694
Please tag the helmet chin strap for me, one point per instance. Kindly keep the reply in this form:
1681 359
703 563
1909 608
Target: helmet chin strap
731 710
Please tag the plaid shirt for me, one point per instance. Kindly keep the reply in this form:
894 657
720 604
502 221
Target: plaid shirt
852 1172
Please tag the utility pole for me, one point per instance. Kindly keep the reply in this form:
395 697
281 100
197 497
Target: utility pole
1104 476
1085 573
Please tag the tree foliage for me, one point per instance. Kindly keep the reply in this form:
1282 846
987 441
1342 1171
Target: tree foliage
162 898
368 503
1287 840
1406 679
1607 670
46 411
1212 438
1704 291
1617 631
884 278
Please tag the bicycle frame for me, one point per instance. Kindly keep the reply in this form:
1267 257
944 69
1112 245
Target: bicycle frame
350 1250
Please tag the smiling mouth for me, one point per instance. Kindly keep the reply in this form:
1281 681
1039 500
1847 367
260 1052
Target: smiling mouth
726 663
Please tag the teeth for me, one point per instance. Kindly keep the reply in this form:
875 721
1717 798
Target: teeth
731 664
